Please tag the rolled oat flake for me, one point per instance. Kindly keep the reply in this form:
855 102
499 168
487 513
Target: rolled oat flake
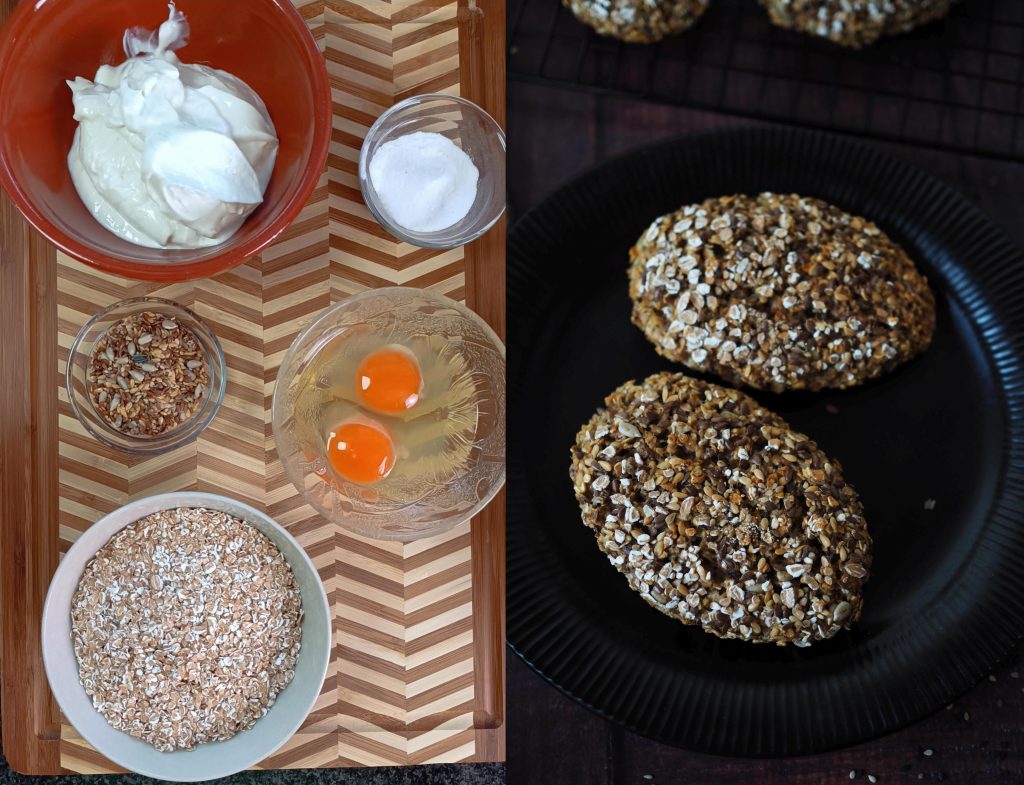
186 626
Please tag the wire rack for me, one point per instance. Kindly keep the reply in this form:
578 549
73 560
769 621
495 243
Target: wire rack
955 85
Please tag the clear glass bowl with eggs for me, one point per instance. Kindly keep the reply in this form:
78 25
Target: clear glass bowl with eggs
389 413
467 127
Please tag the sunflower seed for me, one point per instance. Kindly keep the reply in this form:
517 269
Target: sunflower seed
157 389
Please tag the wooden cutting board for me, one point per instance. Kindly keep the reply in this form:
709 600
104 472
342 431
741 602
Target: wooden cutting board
417 670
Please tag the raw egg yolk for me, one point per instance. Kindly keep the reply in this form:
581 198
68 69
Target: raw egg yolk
388 380
361 453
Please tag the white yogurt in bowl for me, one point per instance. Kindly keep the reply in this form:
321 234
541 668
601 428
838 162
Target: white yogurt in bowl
169 154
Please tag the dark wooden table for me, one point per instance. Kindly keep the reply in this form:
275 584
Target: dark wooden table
553 134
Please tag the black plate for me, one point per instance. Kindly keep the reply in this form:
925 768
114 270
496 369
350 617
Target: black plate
944 603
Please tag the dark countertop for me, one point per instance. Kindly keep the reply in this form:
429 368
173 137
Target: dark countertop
555 133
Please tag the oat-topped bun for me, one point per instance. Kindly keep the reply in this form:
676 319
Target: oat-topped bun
638 21
778 292
855 23
719 514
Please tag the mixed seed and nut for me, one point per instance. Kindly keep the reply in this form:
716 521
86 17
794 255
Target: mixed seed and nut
147 375
638 21
186 626
778 292
719 514
855 23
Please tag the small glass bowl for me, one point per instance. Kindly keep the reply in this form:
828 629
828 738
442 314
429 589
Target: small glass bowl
468 126
396 508
78 369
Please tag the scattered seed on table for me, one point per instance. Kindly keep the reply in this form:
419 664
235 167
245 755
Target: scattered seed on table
929 504
872 778
929 753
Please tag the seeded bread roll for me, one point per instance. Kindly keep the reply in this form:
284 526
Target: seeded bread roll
778 292
855 23
719 514
638 21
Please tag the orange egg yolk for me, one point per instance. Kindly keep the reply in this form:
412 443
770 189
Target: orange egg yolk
361 453
389 381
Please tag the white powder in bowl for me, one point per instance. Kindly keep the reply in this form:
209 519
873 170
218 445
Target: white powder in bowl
425 182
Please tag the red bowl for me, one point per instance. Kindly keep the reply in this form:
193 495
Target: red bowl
263 42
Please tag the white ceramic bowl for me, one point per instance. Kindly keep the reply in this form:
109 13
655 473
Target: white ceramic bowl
215 759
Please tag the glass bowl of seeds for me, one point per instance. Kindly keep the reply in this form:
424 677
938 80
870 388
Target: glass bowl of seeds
145 376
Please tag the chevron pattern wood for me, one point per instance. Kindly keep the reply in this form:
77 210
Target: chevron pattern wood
400 687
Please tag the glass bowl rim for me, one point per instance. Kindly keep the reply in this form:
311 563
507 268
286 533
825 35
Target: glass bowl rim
422 239
156 445
277 403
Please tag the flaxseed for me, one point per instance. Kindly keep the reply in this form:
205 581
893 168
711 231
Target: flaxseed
147 375
778 292
719 514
